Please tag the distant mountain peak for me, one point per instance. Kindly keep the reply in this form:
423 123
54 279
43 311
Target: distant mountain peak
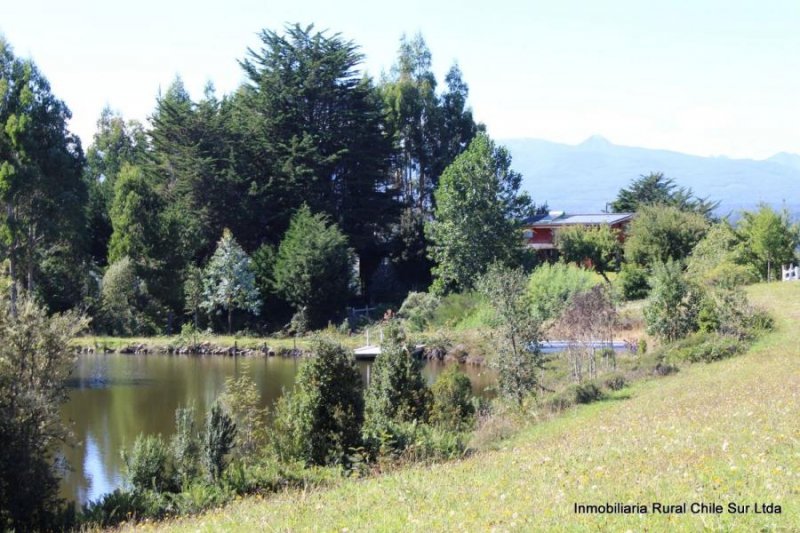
596 142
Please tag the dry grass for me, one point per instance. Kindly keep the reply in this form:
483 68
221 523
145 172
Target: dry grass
724 432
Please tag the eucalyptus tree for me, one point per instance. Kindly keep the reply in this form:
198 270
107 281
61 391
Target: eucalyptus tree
41 190
428 129
116 143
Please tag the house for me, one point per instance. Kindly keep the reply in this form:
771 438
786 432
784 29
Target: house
539 231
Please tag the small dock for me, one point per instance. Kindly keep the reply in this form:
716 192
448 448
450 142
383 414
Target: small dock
367 352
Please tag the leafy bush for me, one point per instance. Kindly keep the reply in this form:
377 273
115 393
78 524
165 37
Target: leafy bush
415 441
633 282
550 287
703 347
314 266
122 506
641 347
127 306
397 390
148 466
452 400
34 364
516 333
615 382
582 393
588 392
321 420
456 308
418 309
674 302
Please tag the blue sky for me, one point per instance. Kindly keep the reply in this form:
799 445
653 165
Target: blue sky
705 77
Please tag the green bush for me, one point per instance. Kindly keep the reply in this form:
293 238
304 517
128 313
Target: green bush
588 392
703 347
452 408
632 280
550 287
641 347
418 309
456 308
415 441
397 390
186 446
674 302
122 506
582 393
615 382
320 421
148 466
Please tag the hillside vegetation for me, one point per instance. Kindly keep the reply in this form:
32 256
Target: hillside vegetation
722 432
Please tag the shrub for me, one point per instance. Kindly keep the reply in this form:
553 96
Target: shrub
582 393
456 308
418 309
397 391
186 446
550 287
34 363
633 282
321 420
588 392
671 310
148 465
242 400
127 306
314 266
122 506
452 400
704 347
641 347
615 382
218 441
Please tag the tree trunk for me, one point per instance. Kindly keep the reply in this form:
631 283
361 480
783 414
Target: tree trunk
230 320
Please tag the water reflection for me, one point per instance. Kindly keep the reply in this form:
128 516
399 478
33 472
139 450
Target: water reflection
114 397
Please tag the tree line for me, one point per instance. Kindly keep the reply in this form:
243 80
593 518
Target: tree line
308 165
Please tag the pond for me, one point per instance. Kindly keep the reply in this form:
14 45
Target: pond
115 397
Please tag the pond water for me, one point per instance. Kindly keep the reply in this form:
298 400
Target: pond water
115 397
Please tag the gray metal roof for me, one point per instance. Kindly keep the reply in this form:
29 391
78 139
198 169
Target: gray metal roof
556 218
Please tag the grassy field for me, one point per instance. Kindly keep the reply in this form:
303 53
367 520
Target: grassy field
717 433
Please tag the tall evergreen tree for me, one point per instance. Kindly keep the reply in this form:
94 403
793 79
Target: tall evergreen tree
316 132
314 267
656 189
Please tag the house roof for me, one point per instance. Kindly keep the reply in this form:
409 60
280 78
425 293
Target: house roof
560 218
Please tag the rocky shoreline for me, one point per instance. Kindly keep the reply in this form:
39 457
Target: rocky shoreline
454 354
204 348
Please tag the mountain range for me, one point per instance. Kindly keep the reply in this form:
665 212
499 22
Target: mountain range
583 178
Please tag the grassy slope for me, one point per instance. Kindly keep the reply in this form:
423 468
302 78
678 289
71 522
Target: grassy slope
723 432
